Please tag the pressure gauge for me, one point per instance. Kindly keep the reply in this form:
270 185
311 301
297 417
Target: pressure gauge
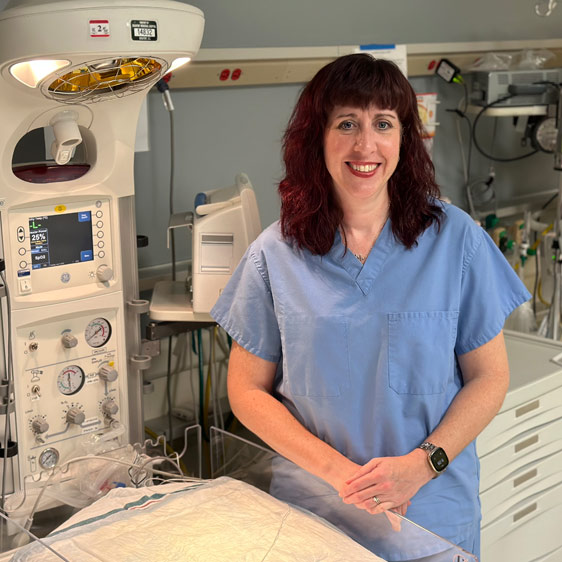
544 134
98 332
70 380
49 458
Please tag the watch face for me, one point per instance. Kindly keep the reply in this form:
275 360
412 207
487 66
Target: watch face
439 459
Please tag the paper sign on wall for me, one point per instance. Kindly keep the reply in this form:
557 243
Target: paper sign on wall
395 53
427 109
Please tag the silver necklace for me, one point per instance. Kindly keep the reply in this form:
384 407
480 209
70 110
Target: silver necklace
363 258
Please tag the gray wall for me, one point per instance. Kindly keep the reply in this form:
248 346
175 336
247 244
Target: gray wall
279 23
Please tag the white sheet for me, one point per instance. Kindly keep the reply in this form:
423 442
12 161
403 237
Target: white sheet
223 520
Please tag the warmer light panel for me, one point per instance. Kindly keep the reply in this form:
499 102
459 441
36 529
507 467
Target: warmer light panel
179 62
32 72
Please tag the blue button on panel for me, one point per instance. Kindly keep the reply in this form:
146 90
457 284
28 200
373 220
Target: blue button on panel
86 255
85 216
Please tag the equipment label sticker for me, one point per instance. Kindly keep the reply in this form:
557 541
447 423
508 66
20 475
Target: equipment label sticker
144 30
99 28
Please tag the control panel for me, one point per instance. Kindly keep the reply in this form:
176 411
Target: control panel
61 246
71 382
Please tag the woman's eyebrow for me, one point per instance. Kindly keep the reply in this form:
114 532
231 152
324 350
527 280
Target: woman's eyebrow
388 115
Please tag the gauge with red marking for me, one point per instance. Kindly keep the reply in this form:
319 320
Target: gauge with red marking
97 332
70 380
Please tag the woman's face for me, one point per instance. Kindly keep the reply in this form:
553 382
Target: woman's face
361 151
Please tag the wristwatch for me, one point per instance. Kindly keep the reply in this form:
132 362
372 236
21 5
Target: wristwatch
436 457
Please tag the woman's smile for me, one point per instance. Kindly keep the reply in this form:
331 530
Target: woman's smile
362 170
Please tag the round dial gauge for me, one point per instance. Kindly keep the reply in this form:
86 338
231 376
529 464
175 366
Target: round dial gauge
70 380
97 332
49 458
545 134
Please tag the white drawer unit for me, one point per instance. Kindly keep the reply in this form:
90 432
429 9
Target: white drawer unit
521 484
521 458
527 448
526 532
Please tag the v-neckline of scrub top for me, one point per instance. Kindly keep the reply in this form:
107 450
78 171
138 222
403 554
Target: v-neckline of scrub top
364 274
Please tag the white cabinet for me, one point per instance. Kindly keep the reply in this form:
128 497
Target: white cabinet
521 459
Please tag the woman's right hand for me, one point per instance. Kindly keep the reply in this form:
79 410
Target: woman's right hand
393 481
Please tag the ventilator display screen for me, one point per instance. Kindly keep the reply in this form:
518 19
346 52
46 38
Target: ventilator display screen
61 239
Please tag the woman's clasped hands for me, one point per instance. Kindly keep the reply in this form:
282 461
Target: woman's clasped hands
393 481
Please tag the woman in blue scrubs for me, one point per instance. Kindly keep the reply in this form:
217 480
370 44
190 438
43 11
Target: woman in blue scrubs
368 321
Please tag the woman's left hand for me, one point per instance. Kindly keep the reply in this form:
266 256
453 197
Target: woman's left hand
392 480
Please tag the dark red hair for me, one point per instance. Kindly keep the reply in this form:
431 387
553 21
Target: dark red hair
310 213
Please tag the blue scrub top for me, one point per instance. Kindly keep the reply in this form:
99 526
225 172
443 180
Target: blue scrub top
367 354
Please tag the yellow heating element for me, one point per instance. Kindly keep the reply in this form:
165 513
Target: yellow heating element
105 76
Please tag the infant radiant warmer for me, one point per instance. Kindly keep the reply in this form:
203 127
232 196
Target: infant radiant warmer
70 310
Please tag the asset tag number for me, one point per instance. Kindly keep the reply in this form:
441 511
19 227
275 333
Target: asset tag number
144 30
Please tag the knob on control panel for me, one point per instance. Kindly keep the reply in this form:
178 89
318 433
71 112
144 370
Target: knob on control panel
107 374
109 407
75 415
69 341
104 273
39 425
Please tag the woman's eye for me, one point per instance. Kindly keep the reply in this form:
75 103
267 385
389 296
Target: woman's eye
383 125
346 125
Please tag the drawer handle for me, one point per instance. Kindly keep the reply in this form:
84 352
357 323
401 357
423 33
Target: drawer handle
527 408
524 512
524 477
526 443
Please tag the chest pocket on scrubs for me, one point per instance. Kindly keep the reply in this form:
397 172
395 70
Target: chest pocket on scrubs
421 351
316 355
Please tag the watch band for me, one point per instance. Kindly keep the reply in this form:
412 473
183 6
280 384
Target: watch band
427 446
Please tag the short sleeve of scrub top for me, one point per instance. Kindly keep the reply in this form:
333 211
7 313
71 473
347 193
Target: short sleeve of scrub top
246 309
487 294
